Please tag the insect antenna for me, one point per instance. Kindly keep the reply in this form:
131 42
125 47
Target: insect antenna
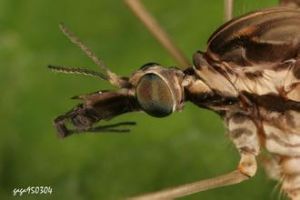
76 70
111 77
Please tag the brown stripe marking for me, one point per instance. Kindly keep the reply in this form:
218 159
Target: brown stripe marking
248 150
239 118
296 70
254 75
290 120
236 133
273 102
276 138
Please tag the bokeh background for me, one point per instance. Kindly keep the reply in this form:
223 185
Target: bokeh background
158 153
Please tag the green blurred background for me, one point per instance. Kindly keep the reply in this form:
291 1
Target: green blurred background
158 153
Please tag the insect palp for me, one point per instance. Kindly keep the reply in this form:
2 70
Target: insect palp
112 127
63 131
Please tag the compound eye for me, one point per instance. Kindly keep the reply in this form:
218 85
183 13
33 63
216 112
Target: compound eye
155 96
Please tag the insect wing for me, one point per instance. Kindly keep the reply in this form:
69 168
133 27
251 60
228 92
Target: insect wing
265 36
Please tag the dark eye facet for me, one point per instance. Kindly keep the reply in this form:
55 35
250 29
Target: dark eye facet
155 96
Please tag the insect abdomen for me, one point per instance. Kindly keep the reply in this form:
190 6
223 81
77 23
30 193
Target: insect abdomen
282 139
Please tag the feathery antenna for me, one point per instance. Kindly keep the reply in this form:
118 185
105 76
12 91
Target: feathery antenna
110 76
76 70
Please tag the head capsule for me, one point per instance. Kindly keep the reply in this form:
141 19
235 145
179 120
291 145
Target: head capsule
158 90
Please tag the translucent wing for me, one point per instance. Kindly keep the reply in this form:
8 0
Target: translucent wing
260 55
265 36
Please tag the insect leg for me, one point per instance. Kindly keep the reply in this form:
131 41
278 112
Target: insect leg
243 134
231 178
228 9
157 31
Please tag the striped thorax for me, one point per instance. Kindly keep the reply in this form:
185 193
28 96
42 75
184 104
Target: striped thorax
251 71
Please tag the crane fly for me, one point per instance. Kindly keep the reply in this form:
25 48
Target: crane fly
249 75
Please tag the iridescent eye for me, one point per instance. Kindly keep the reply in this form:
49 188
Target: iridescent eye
154 96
